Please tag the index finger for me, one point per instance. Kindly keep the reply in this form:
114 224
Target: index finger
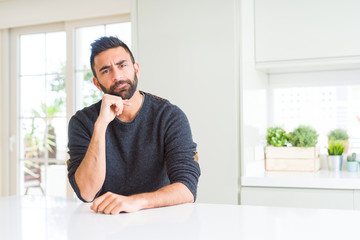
97 202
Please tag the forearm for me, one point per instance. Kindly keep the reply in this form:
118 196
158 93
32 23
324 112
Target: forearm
173 194
90 174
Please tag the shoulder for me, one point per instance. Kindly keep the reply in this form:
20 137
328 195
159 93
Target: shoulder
162 105
168 114
87 114
154 97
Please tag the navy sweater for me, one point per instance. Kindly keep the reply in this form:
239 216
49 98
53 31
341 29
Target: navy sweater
152 151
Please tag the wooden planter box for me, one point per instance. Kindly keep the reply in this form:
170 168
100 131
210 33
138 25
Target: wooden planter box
292 159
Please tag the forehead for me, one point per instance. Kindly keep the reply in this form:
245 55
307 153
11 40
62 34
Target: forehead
111 55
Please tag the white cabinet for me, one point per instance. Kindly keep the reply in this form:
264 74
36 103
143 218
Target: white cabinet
304 30
301 197
357 199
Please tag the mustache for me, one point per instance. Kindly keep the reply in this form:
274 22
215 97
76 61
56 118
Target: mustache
113 87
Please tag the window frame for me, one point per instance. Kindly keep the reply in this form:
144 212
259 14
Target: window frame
69 28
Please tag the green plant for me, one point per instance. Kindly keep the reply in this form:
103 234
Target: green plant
31 141
351 158
303 136
92 94
338 134
336 147
276 136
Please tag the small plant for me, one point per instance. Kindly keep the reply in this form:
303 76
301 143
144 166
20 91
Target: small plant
351 158
276 136
336 147
303 136
338 134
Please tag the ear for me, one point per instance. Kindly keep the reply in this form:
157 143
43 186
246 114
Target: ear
96 83
136 67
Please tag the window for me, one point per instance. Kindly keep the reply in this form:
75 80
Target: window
42 114
51 79
324 100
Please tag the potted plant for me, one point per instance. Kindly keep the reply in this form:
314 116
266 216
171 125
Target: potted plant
303 136
276 136
301 156
339 134
335 158
352 164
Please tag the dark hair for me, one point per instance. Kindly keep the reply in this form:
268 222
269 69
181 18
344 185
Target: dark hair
105 43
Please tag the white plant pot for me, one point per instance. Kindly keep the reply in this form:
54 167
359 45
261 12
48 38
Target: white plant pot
335 162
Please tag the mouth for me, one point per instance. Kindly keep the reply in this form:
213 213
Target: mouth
119 85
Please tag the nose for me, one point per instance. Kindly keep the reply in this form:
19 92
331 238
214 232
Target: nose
117 73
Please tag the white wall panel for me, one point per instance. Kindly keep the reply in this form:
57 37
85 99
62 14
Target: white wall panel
187 51
4 112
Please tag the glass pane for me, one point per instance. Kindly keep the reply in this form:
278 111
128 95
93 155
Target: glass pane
88 93
56 180
57 138
55 96
43 125
32 104
323 108
32 177
55 52
121 30
32 54
84 37
32 138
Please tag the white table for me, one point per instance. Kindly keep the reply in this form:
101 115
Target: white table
55 218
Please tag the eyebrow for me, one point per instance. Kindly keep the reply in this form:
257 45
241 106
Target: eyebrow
108 66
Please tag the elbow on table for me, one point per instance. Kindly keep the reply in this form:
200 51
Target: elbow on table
86 197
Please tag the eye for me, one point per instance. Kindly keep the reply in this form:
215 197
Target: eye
122 65
105 71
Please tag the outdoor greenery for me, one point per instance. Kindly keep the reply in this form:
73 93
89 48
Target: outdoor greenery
93 93
338 134
336 147
34 144
276 136
31 141
303 136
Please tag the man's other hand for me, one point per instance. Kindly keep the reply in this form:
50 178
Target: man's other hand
111 203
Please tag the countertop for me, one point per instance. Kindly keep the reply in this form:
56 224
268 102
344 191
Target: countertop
256 176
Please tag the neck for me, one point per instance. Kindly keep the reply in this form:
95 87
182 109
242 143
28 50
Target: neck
130 112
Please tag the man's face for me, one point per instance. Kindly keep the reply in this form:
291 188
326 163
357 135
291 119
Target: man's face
116 74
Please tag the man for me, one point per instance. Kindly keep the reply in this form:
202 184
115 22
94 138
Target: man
131 150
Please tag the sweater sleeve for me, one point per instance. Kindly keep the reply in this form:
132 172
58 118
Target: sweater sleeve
180 152
79 139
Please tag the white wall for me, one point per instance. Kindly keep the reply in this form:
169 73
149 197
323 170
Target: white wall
254 95
188 53
4 110
16 13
